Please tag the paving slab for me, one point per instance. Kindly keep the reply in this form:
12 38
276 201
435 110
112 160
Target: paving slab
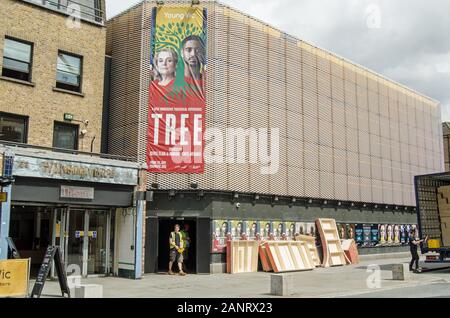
342 281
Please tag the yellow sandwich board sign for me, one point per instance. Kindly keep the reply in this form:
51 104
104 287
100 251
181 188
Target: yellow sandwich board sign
14 277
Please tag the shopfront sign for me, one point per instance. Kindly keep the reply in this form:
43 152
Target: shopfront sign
68 192
14 277
69 170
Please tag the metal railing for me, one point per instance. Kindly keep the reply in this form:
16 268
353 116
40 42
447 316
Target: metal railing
94 13
67 151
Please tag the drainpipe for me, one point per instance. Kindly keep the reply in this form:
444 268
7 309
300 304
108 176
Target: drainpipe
92 144
140 223
5 215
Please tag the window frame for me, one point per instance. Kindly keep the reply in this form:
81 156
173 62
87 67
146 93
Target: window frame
80 87
30 63
77 137
26 123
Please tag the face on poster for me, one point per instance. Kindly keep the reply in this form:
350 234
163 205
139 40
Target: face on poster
350 231
175 141
341 231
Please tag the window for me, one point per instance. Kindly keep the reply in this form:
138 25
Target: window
65 136
68 74
13 128
17 56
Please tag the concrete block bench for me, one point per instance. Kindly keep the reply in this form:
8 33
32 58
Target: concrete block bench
89 291
401 272
281 284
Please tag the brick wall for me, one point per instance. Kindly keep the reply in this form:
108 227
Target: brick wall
48 32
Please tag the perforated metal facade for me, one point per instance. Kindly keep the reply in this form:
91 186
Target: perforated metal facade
346 133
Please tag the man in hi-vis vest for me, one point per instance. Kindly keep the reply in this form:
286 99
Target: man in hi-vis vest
177 246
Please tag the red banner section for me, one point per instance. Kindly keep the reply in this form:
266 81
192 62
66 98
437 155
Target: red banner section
176 129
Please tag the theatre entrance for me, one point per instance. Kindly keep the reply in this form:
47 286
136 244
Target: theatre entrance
158 231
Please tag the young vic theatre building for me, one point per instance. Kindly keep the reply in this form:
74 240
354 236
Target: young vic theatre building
248 131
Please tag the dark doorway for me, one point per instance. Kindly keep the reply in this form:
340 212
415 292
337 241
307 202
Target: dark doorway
165 226
30 231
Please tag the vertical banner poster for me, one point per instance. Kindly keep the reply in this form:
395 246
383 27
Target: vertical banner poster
403 237
310 229
397 234
177 101
374 234
390 233
367 235
219 239
407 232
382 234
265 229
359 234
277 230
290 230
237 229
251 229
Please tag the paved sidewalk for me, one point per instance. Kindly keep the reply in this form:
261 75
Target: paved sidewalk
322 282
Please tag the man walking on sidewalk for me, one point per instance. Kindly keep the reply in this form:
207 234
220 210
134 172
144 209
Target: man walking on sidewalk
177 246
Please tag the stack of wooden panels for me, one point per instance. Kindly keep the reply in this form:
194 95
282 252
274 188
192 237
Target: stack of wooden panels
311 244
264 257
242 257
443 198
351 251
286 256
333 254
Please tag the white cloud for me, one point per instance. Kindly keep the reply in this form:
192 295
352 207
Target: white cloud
410 46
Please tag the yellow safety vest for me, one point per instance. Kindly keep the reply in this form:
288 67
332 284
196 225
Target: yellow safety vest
173 244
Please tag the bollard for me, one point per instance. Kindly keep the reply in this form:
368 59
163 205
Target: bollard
89 291
400 272
281 284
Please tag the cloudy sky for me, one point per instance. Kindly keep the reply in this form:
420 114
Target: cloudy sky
406 40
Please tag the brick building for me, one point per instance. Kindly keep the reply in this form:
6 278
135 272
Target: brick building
65 193
58 71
